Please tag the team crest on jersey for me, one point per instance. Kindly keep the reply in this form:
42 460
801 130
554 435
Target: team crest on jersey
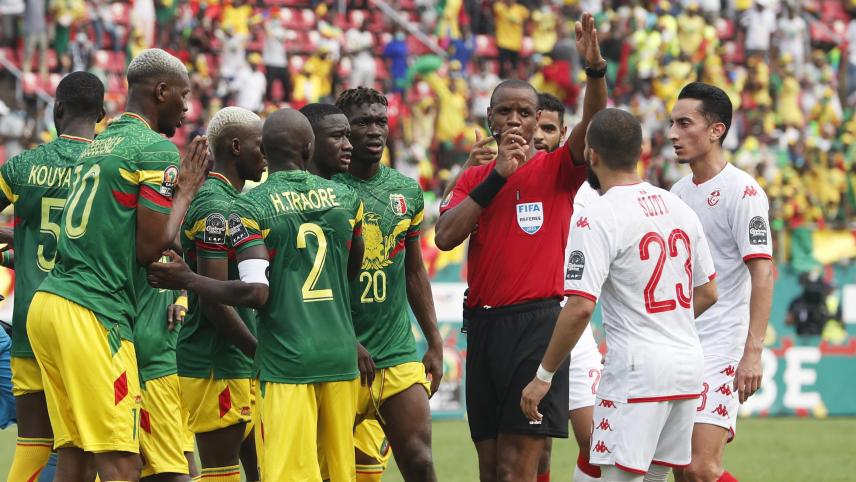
170 175
713 199
381 248
530 217
215 229
398 204
757 231
237 231
576 265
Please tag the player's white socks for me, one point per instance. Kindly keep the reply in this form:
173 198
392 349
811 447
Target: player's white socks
580 476
657 473
611 473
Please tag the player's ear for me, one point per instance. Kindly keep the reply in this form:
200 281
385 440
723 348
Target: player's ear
161 91
564 133
58 111
236 146
717 130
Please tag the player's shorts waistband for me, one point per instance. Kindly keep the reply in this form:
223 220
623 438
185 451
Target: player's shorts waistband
500 311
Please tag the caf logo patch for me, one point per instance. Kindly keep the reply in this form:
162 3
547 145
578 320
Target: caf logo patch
170 175
757 231
398 204
576 265
237 231
215 229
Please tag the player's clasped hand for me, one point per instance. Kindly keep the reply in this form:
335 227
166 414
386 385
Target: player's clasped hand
194 166
513 149
173 275
532 396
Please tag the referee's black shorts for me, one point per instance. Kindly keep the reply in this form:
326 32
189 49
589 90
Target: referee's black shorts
505 345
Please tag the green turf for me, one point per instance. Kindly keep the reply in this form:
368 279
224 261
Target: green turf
766 450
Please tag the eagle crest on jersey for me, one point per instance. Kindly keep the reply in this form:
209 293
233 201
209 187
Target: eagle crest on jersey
380 247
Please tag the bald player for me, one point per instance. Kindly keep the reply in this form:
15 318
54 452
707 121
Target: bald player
217 343
126 204
297 241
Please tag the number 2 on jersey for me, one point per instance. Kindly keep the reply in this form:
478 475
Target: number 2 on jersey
310 293
652 305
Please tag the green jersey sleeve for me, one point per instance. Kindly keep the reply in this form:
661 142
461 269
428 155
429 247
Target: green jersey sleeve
415 228
8 184
245 225
208 230
157 172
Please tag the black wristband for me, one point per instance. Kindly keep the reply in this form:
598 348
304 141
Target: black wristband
484 193
596 73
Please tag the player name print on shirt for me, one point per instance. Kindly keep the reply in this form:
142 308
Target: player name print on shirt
757 231
530 217
215 229
576 265
398 204
237 230
170 174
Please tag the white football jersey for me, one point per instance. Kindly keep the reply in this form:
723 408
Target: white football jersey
734 211
585 196
642 251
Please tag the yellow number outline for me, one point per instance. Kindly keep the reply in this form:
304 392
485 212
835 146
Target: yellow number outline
50 228
374 280
94 172
309 292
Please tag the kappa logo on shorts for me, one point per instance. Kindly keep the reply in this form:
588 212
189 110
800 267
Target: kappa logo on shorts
600 447
757 231
724 389
530 217
604 425
720 410
237 231
728 371
398 204
170 175
607 404
576 265
215 229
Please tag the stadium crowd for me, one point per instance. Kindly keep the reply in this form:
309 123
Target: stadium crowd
787 66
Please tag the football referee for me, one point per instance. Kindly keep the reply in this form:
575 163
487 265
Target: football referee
517 211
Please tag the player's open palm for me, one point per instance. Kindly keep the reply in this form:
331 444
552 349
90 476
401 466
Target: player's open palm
512 152
531 397
747 379
587 45
194 166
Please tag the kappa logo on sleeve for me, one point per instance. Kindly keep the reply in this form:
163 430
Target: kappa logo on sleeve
757 231
170 175
576 265
237 231
215 229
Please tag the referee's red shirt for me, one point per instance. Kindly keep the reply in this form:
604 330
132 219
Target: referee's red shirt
516 252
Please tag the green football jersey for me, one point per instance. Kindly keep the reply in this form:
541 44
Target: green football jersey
201 350
393 214
128 165
36 182
306 334
154 343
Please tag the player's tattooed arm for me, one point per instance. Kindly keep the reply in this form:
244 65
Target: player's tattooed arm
569 328
175 275
157 231
595 97
704 297
747 380
422 303
226 320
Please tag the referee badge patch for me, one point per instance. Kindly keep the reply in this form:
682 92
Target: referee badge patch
530 217
576 265
170 175
215 229
757 231
237 231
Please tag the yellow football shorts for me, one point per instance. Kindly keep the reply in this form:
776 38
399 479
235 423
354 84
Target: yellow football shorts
300 423
216 403
90 376
368 435
164 434
26 376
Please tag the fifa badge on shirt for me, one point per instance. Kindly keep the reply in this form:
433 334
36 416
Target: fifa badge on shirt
170 175
530 217
757 231
398 204
215 229
237 230
576 265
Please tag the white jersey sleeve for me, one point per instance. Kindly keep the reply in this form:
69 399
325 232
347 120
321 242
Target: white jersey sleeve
703 268
751 226
590 253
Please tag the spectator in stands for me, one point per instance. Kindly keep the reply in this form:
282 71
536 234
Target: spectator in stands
481 86
275 59
510 18
760 23
81 52
545 29
233 54
363 67
850 36
66 14
143 20
395 53
250 85
792 36
236 17
35 36
101 16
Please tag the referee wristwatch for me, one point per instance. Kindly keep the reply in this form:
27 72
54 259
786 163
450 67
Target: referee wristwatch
593 73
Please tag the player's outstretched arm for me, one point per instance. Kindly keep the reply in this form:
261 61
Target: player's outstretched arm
175 275
747 380
704 297
157 231
569 328
422 303
594 100
225 319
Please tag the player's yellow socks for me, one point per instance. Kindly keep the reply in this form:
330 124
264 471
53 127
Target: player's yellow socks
369 473
31 457
221 474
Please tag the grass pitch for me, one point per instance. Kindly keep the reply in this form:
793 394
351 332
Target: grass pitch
765 450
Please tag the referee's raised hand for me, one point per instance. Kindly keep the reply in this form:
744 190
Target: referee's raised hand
512 152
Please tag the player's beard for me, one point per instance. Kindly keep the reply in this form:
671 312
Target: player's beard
593 181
